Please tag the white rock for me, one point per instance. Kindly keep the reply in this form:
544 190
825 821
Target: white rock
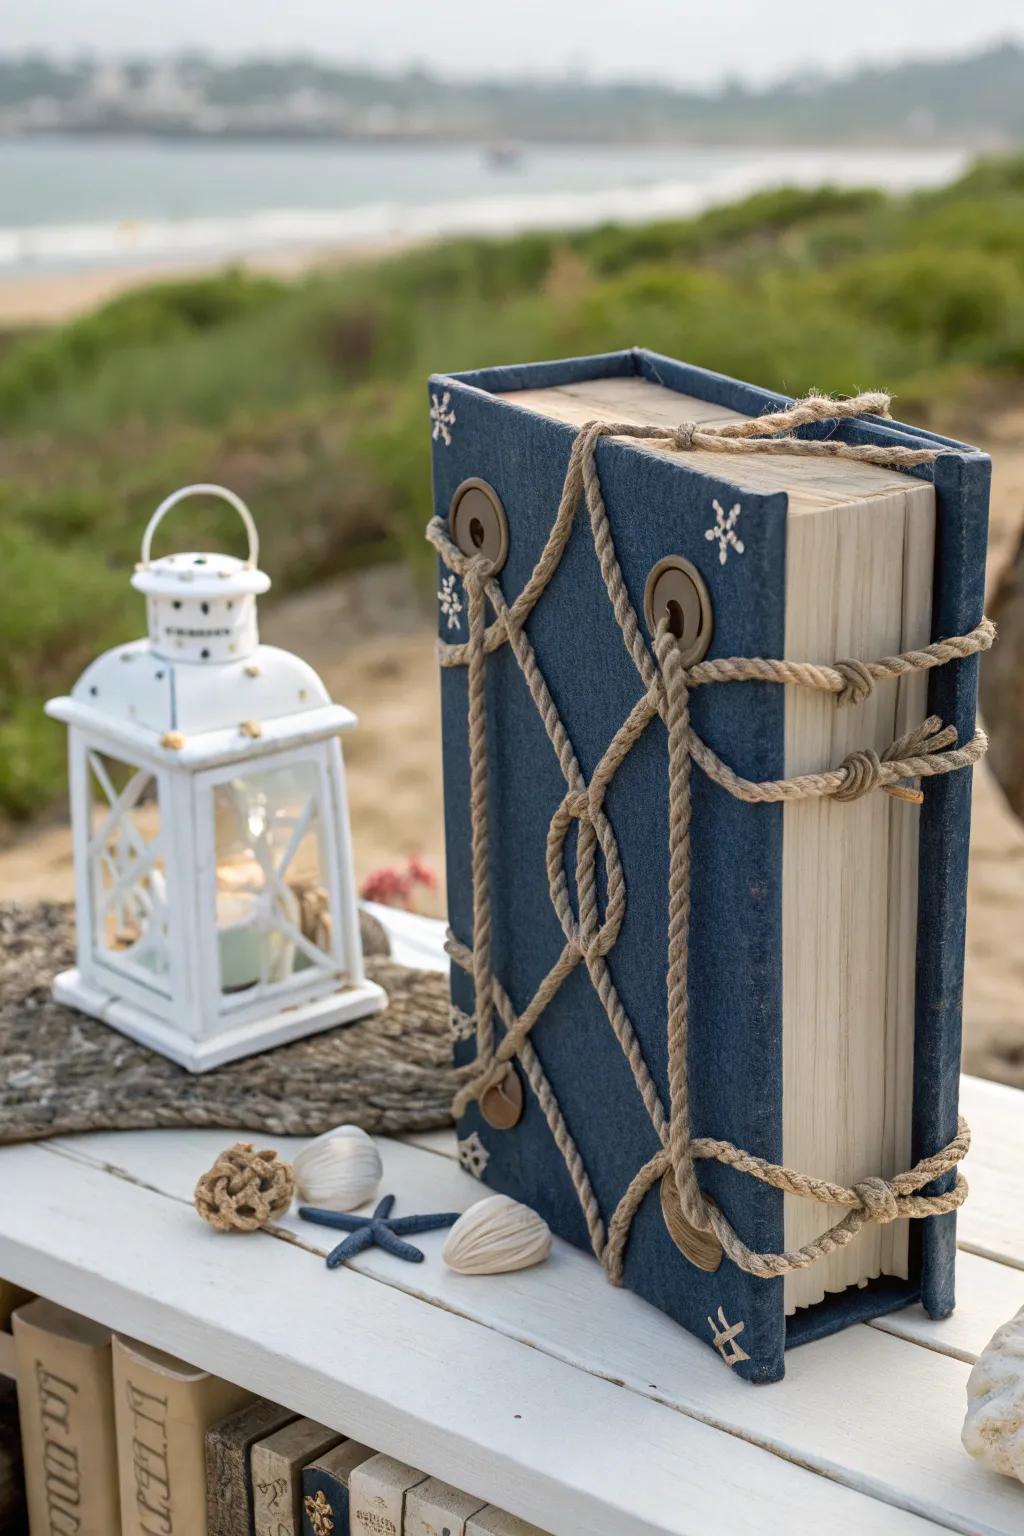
994 1427
339 1170
495 1236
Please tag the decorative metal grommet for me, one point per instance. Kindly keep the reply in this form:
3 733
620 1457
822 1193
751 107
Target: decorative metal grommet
676 590
701 1248
502 1105
478 524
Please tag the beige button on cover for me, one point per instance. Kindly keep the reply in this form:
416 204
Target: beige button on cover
675 590
477 522
502 1105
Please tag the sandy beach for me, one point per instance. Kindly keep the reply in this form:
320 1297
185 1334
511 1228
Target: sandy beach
49 298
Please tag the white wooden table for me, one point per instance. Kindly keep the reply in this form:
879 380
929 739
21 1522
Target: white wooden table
550 1393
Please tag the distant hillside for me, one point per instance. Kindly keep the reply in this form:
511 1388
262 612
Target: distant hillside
976 101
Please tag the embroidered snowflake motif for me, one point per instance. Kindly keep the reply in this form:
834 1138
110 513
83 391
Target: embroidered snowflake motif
319 1512
473 1155
725 530
463 1026
725 1335
451 602
443 417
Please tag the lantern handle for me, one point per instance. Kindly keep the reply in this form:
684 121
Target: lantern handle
203 490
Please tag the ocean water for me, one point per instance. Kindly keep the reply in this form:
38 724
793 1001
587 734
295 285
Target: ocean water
68 203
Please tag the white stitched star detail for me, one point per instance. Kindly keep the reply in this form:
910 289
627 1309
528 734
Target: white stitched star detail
450 601
443 417
725 530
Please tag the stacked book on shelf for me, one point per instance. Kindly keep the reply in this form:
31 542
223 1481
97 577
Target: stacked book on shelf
118 1437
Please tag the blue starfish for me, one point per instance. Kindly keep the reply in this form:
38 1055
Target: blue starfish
381 1228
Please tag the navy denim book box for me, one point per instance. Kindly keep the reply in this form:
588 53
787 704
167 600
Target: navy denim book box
658 506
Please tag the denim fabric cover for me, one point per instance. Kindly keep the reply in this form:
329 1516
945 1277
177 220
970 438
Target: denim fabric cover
659 505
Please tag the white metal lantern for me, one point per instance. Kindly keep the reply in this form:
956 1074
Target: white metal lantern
214 892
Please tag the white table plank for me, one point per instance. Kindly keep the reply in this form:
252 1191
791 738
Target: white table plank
992 1220
987 1294
866 1408
444 1143
565 1449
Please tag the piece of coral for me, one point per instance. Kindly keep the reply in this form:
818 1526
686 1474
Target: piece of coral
994 1427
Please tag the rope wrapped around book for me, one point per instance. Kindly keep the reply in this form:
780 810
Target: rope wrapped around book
929 750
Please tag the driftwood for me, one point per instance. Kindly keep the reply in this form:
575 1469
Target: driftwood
63 1072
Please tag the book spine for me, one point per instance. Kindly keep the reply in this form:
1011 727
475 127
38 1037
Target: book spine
493 1521
325 1503
277 1466
377 1496
66 1403
499 1522
162 1417
273 1495
962 496
229 1492
436 1507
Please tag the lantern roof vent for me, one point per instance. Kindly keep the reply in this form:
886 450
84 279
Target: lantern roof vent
213 575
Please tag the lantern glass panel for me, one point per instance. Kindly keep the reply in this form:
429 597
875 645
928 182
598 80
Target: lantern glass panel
274 918
128 870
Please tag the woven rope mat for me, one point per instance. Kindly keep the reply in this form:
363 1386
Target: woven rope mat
61 1071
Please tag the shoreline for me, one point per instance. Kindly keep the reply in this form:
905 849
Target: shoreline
265 212
50 298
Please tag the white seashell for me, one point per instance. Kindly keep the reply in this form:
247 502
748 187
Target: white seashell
495 1236
994 1427
339 1170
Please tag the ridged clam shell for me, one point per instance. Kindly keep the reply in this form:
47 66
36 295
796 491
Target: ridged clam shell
339 1170
495 1236
994 1427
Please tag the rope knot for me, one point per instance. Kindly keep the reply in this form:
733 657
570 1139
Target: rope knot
863 771
858 682
682 435
578 805
477 569
878 1199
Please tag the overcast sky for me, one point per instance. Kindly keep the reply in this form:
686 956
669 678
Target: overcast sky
690 41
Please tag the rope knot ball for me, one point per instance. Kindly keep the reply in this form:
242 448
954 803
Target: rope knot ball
245 1189
878 1199
683 435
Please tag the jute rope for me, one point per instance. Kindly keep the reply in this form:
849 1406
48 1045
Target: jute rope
928 750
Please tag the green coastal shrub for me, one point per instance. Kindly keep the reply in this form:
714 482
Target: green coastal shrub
146 317
310 396
954 299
